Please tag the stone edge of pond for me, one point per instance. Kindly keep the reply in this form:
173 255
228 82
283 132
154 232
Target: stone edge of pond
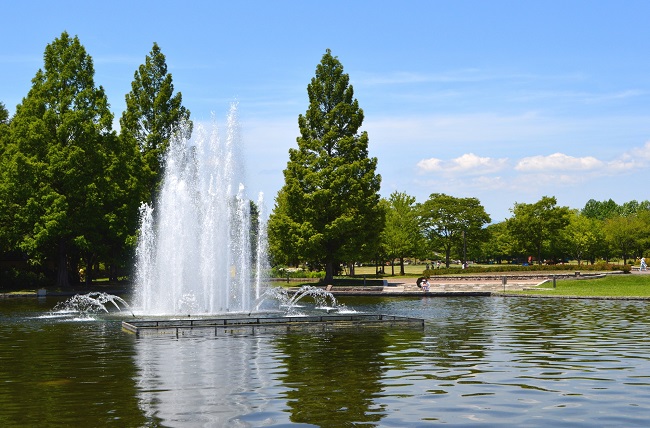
541 296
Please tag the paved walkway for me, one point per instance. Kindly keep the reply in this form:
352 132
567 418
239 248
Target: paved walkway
469 284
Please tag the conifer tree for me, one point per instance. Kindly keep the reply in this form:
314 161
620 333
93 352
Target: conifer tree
59 145
328 209
154 113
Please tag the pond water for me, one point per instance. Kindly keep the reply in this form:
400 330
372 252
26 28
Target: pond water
477 362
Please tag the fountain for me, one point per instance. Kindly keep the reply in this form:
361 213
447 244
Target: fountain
85 305
200 256
197 251
290 301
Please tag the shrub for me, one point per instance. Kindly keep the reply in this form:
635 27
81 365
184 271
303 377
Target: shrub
285 272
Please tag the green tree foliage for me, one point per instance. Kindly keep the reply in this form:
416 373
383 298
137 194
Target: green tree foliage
600 210
153 115
60 140
125 193
401 235
627 235
450 222
4 127
283 234
328 209
583 237
498 245
643 234
4 215
4 114
534 226
608 209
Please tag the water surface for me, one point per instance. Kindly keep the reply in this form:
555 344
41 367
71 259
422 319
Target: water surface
478 361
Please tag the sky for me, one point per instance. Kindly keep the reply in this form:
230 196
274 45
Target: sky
505 101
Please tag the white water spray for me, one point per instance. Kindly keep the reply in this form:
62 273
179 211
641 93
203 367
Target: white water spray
196 253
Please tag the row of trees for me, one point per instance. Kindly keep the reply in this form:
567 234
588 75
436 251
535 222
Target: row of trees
601 230
329 212
71 186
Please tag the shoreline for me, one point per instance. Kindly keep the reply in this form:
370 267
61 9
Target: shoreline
501 285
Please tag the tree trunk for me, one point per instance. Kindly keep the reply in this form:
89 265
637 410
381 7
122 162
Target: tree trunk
62 279
401 265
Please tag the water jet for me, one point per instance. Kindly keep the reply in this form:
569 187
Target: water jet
200 250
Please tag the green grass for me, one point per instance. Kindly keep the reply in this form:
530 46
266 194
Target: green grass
409 270
414 271
609 286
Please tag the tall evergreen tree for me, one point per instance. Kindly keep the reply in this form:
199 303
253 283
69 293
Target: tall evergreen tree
4 127
59 140
4 114
153 115
328 208
4 141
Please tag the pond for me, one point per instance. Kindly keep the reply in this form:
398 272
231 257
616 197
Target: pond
478 361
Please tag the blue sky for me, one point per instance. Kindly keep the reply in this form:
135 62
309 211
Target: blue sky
506 101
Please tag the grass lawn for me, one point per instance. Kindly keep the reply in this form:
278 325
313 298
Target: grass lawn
609 286
414 271
409 270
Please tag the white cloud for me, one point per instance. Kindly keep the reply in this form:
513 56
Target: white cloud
431 164
468 163
558 161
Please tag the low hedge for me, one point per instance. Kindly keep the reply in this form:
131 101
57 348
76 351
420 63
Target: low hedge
284 272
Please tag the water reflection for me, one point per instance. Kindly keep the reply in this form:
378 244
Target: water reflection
58 372
204 381
345 372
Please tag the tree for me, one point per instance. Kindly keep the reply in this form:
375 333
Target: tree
643 234
5 220
600 210
328 208
153 115
451 222
59 140
498 245
4 127
125 192
401 235
623 234
538 224
4 114
582 236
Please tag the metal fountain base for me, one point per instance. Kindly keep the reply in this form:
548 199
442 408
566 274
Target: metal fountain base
251 325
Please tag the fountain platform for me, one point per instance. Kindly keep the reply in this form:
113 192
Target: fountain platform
250 325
